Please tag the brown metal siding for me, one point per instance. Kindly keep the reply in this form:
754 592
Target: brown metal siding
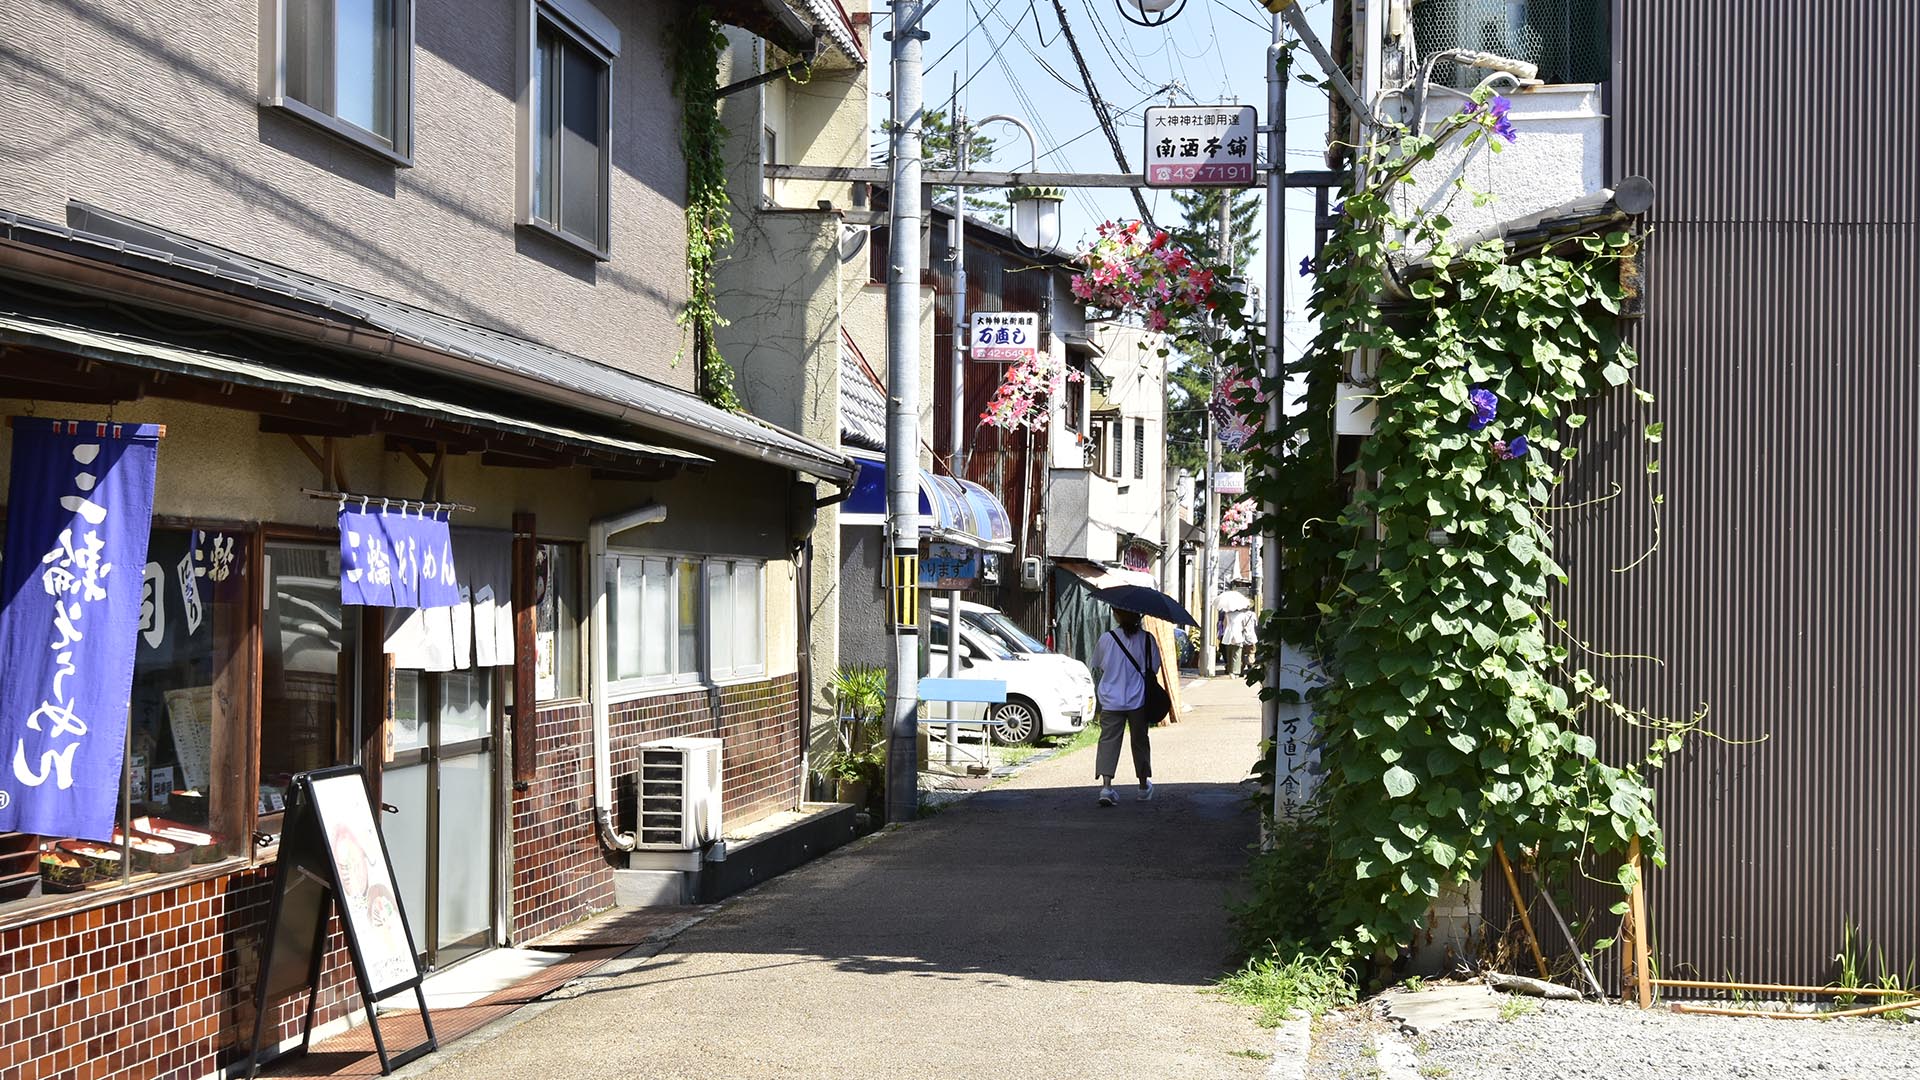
1782 595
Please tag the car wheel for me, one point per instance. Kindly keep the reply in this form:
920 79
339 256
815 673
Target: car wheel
1016 723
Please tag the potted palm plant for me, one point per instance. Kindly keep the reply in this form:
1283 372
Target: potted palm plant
858 763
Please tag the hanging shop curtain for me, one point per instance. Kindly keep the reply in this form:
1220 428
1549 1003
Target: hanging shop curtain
476 630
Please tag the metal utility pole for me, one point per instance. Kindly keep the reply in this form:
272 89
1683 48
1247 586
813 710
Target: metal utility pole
1209 581
1273 368
903 407
962 341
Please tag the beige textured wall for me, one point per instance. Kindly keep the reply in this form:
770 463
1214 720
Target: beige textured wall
215 464
151 110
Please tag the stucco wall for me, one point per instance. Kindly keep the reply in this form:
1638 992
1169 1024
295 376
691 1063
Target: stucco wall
151 110
1136 374
216 464
1559 155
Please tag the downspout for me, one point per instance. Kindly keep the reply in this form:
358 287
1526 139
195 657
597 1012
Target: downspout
599 531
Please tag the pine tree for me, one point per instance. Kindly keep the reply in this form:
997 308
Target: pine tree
940 150
1190 378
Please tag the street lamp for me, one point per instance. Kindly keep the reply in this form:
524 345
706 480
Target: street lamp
1036 210
1036 217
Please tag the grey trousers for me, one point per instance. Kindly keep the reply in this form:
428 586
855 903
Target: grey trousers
1112 724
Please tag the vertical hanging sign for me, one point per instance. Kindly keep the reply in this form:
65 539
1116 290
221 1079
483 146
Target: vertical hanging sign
401 558
79 507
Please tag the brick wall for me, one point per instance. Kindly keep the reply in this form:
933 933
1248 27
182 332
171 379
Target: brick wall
156 985
161 984
561 874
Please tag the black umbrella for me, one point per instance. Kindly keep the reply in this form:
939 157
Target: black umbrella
1147 602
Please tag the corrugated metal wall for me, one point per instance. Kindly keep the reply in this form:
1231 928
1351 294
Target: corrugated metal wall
1779 582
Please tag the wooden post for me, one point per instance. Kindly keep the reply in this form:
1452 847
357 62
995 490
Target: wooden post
1520 905
525 709
1637 907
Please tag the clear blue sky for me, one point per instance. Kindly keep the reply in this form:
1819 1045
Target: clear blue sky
1009 56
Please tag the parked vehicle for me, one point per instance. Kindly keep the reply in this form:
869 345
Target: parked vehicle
1047 694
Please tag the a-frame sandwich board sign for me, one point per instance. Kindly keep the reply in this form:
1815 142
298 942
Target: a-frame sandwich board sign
332 858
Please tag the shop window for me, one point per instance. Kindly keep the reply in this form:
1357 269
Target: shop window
188 729
567 129
345 65
557 634
307 657
737 619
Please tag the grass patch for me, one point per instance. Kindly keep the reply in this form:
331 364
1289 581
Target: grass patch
1251 1055
1276 986
1086 736
1013 755
1434 1072
1516 1007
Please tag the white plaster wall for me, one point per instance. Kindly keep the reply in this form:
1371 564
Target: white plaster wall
1558 156
151 110
1136 375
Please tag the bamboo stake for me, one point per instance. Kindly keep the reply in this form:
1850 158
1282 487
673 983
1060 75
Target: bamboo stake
1520 905
1714 1010
1637 901
1572 942
1784 988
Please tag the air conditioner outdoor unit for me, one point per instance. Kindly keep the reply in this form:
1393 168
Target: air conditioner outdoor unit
1031 571
679 803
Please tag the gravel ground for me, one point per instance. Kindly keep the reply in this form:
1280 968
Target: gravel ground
1571 1041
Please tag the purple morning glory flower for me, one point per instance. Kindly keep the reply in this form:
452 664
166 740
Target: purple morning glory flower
1501 105
1306 266
1503 127
1515 449
1485 404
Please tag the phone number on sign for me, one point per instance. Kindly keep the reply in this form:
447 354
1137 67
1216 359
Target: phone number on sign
1200 174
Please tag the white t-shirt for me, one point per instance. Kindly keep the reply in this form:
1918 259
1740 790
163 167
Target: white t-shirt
1121 687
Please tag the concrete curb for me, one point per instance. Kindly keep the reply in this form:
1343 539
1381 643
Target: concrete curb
1394 1058
1292 1046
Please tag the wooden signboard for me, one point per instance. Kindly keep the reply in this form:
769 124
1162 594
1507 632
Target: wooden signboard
332 858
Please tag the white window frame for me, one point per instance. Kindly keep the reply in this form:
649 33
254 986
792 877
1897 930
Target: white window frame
733 568
631 686
584 25
273 84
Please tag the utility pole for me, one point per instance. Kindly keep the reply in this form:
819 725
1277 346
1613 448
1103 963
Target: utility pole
1209 584
1273 369
903 407
962 342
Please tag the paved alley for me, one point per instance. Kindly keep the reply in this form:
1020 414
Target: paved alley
1024 932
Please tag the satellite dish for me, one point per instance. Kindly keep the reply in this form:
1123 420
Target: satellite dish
1149 12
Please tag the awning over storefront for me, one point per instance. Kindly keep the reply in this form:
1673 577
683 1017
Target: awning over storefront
159 356
952 511
402 334
1106 577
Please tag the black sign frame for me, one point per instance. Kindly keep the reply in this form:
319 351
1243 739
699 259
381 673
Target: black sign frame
306 890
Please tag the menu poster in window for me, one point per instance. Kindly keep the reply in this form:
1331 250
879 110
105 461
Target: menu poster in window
190 715
369 902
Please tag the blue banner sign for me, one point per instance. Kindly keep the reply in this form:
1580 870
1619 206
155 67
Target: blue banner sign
79 506
949 566
399 558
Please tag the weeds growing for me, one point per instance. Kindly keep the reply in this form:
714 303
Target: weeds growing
1276 986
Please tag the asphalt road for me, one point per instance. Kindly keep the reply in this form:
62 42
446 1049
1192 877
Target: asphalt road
1024 932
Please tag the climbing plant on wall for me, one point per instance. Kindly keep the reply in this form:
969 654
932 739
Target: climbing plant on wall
1454 713
697 45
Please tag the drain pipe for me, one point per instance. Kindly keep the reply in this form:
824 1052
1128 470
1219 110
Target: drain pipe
599 531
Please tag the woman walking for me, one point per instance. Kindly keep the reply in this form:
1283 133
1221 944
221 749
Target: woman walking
1124 662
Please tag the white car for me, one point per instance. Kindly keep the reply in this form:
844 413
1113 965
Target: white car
1047 694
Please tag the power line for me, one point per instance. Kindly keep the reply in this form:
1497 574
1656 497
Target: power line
1100 110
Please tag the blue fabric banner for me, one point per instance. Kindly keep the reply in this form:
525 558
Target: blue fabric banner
79 507
400 558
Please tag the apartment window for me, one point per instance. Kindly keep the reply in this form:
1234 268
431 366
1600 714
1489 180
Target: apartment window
1139 449
345 65
1119 431
1568 39
556 633
737 641
566 125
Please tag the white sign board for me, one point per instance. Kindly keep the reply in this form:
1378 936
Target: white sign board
1230 483
1005 337
1201 146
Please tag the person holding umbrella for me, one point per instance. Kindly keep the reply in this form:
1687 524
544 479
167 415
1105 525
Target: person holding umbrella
1127 671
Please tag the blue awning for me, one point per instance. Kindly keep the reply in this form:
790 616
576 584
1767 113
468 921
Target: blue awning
952 511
